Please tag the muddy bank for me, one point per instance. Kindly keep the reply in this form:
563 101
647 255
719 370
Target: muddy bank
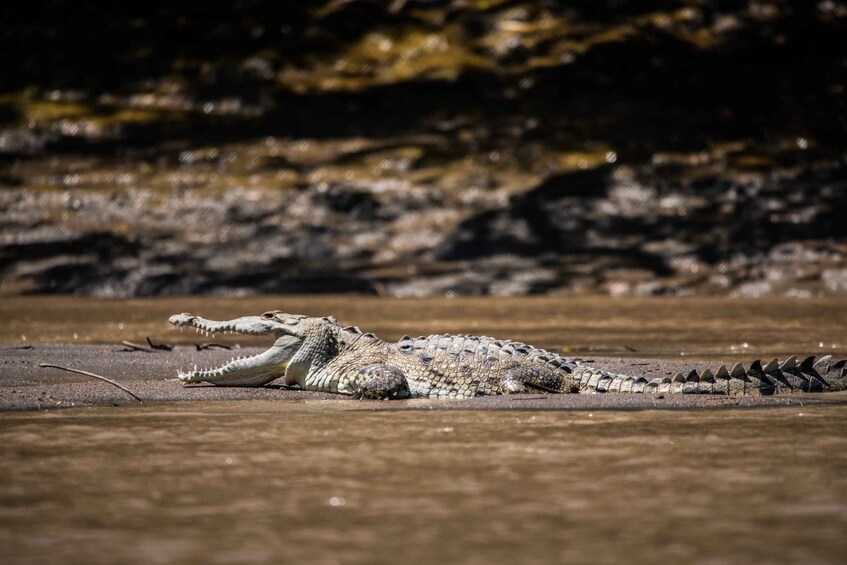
426 149
613 230
152 377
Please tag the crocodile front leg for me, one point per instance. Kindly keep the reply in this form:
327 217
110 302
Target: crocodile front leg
382 382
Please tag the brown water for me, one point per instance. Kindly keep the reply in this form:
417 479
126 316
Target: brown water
327 482
706 327
341 481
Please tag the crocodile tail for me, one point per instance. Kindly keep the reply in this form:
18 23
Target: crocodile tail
789 376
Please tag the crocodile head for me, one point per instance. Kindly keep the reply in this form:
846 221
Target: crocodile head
290 332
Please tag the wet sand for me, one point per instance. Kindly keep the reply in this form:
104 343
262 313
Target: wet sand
151 376
635 336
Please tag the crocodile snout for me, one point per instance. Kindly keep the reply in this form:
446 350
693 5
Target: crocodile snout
181 319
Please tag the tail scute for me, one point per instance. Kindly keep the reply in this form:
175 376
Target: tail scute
775 377
789 365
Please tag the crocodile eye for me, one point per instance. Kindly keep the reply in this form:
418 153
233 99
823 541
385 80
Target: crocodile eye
268 315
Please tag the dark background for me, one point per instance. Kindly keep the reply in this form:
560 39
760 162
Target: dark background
424 148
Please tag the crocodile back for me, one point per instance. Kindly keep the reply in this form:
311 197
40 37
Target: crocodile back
465 365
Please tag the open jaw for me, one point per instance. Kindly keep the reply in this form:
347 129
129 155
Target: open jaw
254 370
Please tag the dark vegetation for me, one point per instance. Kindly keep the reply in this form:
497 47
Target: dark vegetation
416 148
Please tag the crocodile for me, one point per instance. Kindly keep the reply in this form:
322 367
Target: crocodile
319 354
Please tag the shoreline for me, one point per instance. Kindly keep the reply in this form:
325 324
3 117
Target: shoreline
24 386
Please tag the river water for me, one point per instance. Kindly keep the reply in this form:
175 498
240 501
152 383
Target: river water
326 482
704 327
348 482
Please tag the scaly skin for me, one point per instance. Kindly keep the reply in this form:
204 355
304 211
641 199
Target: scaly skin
318 354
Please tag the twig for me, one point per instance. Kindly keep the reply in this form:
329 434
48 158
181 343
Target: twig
204 346
110 381
161 346
137 346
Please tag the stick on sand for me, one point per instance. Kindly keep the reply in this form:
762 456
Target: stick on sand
86 373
